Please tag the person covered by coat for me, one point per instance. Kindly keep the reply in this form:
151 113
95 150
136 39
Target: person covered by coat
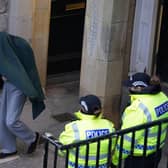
20 81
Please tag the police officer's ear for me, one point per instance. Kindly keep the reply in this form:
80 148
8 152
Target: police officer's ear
97 111
154 80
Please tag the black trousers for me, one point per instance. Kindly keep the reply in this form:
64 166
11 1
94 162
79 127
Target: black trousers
150 161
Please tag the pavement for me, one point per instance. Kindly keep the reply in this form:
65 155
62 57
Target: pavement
61 101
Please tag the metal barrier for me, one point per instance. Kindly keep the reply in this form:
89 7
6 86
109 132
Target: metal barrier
75 147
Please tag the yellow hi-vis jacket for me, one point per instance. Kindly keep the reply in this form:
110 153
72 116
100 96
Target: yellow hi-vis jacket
144 108
87 127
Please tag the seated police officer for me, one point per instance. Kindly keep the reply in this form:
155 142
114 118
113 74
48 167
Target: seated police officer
90 124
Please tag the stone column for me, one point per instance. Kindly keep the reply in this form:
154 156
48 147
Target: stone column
144 36
104 49
3 15
41 22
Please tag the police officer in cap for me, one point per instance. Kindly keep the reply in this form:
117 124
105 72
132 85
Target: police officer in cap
148 103
90 124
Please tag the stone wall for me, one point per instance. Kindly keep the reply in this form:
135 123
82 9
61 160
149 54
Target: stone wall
21 18
3 15
30 19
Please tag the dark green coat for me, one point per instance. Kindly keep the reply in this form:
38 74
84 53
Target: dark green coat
17 64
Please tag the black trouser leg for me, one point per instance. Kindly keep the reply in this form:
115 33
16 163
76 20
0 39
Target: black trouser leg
150 161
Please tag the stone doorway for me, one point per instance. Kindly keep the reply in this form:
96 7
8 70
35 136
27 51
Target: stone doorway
65 36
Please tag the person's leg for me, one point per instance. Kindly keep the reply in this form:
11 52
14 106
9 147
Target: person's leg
153 159
133 162
146 162
16 100
7 139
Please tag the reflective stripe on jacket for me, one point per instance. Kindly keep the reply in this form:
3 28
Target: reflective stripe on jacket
144 108
88 127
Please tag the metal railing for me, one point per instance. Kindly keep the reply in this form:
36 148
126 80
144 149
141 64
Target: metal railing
51 141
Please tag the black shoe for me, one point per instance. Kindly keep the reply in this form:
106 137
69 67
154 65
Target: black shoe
5 155
34 144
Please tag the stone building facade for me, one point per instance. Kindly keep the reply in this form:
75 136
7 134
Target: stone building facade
119 38
3 15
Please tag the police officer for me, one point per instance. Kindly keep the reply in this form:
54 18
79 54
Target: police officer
90 124
148 103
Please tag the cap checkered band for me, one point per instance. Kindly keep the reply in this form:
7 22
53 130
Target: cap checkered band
139 83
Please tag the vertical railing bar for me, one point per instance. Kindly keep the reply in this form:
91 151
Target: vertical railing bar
76 156
55 156
167 162
166 122
120 151
109 151
158 136
66 158
87 155
158 144
132 144
45 160
98 153
145 144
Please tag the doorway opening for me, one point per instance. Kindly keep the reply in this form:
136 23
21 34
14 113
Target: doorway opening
65 36
162 55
